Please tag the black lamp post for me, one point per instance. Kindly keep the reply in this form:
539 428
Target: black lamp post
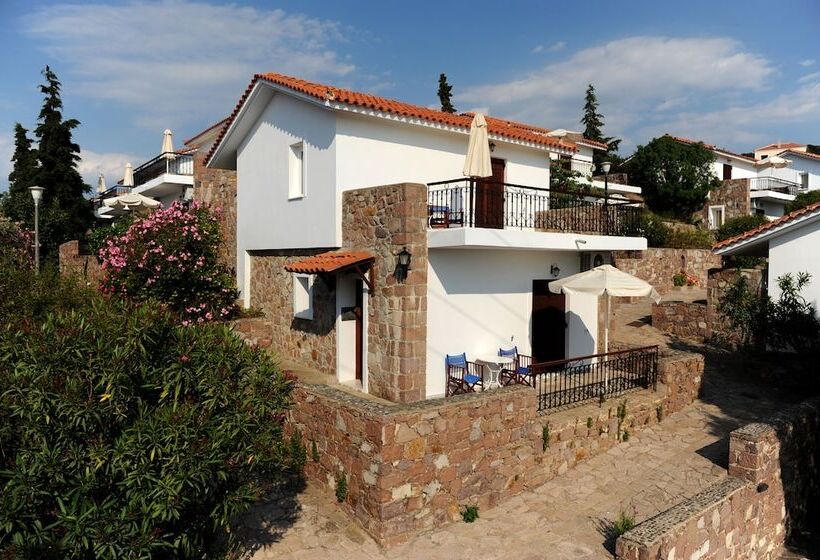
37 195
605 167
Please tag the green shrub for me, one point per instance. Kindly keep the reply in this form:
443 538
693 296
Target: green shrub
624 523
172 257
469 514
98 236
545 437
125 435
27 299
802 200
16 245
341 487
738 225
689 239
654 229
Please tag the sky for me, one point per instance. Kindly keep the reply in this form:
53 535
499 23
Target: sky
735 74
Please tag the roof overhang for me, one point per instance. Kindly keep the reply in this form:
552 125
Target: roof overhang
758 244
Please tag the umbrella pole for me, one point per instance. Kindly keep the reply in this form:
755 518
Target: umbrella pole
606 343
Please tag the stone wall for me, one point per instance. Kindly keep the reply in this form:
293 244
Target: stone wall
771 495
681 318
734 195
658 266
309 343
383 220
217 188
76 260
412 467
720 280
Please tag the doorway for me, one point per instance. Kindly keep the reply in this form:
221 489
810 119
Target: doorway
549 323
350 343
489 197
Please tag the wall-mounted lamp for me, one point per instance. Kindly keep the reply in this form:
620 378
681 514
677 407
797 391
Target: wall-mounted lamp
555 270
402 264
492 147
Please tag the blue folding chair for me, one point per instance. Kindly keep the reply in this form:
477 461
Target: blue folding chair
463 376
520 370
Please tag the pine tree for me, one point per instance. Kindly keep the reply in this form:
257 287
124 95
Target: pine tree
445 94
17 204
66 212
593 122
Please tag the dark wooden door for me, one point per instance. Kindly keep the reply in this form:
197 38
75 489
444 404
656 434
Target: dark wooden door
358 311
549 325
489 198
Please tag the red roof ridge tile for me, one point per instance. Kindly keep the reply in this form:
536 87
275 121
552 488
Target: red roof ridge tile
767 226
496 126
329 261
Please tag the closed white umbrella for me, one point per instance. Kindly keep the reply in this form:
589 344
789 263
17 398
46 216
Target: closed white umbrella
128 178
477 163
167 142
608 280
101 184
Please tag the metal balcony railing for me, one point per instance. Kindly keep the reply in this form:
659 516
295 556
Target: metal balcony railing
483 203
176 164
775 184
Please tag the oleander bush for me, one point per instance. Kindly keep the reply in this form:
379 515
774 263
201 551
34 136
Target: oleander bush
171 257
126 435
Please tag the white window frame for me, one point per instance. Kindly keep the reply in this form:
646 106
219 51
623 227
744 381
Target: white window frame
722 208
804 180
296 171
303 296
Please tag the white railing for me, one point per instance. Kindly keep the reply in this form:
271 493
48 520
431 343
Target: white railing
585 168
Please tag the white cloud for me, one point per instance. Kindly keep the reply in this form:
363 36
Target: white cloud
807 62
633 78
813 77
555 47
537 49
112 165
176 60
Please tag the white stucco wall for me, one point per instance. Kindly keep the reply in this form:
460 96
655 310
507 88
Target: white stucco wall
479 300
741 169
266 218
793 252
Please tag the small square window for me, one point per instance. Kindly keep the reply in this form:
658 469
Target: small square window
303 296
296 170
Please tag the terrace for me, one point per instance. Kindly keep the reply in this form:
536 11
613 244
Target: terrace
166 175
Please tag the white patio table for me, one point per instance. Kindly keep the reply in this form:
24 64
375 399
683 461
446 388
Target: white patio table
494 363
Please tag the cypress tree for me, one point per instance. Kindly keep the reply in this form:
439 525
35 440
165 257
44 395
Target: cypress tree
593 122
17 204
445 94
66 212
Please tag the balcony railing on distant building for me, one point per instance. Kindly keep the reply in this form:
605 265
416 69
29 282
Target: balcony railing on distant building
170 163
484 203
775 184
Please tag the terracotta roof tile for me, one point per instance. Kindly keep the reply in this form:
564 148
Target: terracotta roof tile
689 141
767 226
327 93
330 261
784 145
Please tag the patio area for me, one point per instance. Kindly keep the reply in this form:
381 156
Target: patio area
566 518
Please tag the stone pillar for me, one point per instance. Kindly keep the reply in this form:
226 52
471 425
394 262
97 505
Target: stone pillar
384 220
217 188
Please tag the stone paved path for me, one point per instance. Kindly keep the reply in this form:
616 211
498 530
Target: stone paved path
564 519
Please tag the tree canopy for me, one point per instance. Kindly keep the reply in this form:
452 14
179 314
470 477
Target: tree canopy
65 212
802 200
445 94
593 122
675 178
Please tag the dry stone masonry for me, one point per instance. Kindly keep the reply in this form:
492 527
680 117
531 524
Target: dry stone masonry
658 266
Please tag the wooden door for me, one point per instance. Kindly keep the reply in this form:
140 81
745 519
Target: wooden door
358 311
489 198
549 325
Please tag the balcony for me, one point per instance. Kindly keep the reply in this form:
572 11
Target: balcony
165 176
487 204
775 185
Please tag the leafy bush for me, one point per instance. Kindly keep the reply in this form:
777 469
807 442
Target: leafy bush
469 514
802 200
16 245
689 239
98 236
623 524
125 435
341 487
654 229
26 299
745 311
684 278
171 256
738 225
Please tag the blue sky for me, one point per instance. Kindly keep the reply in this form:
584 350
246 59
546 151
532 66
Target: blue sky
738 74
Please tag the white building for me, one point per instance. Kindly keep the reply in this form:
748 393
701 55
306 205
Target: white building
299 146
791 244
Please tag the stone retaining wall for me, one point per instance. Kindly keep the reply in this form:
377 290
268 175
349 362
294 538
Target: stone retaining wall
217 188
720 280
412 467
76 261
771 494
658 266
680 318
735 197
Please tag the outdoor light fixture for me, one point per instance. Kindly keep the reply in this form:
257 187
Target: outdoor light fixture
605 167
37 195
402 264
555 270
492 146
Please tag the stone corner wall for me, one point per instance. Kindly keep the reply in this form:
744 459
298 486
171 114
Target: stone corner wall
78 262
658 265
770 495
718 282
384 220
217 188
734 195
680 318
